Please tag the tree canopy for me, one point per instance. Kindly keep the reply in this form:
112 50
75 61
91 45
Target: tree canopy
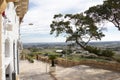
108 11
76 27
81 28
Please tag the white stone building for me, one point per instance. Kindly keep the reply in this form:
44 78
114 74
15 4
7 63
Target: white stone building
11 15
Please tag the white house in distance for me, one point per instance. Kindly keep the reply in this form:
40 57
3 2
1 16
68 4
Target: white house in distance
11 15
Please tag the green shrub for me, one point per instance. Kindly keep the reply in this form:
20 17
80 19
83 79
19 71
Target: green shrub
99 52
30 59
34 49
94 50
117 57
70 57
31 54
107 53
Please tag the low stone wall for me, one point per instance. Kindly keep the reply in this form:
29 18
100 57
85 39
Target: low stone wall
42 58
104 65
68 63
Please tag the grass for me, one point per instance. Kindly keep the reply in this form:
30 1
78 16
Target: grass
78 58
45 52
117 57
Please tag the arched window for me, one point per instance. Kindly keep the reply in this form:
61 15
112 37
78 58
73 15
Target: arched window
7 48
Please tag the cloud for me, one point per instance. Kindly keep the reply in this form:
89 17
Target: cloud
41 13
43 39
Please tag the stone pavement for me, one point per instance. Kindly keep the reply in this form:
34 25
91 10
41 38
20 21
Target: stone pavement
83 72
34 71
39 71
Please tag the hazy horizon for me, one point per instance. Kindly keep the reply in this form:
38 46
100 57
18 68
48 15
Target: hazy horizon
65 42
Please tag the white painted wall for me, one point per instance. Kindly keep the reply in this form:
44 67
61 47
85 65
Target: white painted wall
12 36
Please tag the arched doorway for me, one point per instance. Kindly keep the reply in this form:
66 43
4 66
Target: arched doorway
7 73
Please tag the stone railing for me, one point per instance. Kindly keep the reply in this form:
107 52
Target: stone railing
98 64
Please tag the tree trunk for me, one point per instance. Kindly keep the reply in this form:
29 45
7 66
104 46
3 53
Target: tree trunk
53 63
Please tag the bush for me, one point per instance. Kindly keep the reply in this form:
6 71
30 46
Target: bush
99 52
94 50
117 57
91 56
107 53
31 54
34 49
30 59
106 58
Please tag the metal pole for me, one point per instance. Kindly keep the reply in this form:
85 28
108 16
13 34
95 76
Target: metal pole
46 67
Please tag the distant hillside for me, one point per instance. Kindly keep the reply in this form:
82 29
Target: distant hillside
98 44
27 45
106 44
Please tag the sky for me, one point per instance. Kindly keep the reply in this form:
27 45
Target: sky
41 12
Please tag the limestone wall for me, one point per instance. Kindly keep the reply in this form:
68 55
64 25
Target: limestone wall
68 63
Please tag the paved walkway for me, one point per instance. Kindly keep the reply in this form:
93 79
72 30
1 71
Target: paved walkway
39 71
83 72
34 71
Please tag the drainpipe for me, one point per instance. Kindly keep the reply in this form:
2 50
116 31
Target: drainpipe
0 47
